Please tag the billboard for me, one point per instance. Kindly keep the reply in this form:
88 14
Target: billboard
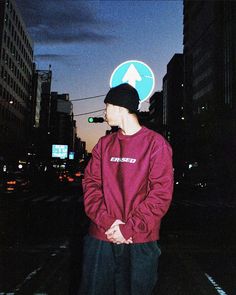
71 155
60 151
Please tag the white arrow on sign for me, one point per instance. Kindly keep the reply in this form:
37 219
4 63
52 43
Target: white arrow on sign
131 76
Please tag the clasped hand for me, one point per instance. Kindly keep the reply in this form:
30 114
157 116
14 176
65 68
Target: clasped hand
114 234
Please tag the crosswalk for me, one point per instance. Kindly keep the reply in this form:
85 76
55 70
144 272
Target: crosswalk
64 198
203 203
48 198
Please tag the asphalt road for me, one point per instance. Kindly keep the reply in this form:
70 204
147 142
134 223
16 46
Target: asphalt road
41 245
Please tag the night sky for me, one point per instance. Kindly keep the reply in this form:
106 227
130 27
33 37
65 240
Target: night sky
84 41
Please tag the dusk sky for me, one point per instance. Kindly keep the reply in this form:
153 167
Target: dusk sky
85 41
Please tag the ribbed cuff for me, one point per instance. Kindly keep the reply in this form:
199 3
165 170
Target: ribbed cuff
106 221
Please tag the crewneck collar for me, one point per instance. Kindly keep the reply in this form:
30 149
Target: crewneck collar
123 136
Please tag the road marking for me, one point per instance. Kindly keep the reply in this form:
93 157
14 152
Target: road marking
217 287
40 198
69 198
27 198
53 199
193 203
29 277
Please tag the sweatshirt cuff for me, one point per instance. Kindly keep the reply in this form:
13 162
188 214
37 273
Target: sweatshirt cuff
126 230
106 221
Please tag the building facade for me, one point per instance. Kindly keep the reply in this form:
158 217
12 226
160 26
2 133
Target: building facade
210 86
173 109
16 65
62 123
40 137
156 111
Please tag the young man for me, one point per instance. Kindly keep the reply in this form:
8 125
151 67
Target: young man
128 188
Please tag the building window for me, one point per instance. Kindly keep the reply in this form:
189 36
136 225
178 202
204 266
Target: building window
3 54
2 72
9 25
8 42
203 91
6 19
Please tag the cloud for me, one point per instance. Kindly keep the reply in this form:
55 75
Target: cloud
51 56
63 21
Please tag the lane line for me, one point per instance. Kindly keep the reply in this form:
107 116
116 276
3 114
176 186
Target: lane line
28 198
29 277
40 198
216 286
54 199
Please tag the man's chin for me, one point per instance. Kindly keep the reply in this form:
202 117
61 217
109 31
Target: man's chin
111 124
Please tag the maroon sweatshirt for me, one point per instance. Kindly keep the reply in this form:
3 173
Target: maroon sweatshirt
129 177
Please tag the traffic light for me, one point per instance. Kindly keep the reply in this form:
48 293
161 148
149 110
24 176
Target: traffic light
95 120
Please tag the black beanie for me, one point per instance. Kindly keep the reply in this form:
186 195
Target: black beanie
123 95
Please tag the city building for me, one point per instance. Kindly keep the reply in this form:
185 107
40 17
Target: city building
62 123
80 149
210 86
173 109
40 114
156 111
16 65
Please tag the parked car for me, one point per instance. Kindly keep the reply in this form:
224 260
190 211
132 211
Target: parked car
16 181
70 178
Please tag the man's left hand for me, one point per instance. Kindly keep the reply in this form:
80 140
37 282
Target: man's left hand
115 236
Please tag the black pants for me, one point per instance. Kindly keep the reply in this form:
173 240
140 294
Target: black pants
110 269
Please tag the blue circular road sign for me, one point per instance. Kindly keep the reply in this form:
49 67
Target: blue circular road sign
137 74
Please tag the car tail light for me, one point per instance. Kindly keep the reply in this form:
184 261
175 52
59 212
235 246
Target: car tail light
70 179
10 188
11 182
78 174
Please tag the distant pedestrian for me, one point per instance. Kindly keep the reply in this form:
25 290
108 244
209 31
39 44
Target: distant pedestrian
128 188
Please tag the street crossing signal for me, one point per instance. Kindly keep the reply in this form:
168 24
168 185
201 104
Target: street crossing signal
95 120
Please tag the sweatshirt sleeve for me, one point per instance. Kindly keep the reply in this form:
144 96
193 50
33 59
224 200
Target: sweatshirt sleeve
94 204
153 208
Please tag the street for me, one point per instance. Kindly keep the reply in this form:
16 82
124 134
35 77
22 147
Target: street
41 238
146 89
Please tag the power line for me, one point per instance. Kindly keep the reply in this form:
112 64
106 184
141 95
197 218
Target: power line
89 113
84 98
91 97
